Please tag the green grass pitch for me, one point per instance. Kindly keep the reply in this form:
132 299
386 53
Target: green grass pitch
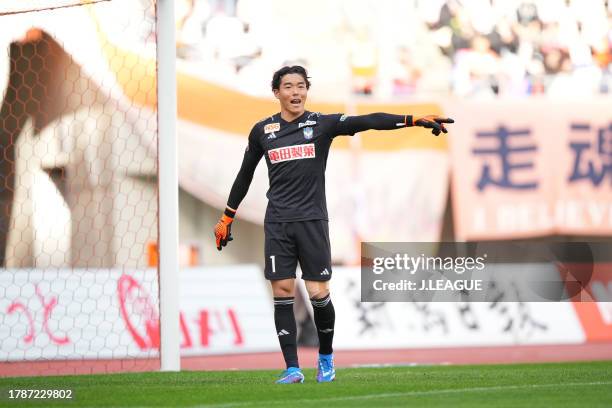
587 384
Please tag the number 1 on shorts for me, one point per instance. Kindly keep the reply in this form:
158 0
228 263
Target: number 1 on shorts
273 263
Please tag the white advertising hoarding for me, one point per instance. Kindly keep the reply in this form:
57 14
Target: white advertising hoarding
109 313
369 325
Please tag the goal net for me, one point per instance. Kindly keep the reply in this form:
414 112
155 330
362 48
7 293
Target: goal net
78 187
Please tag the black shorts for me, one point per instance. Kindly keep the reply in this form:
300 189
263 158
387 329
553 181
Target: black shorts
303 241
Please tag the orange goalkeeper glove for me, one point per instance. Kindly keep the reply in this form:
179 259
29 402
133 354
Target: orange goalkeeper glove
433 122
223 228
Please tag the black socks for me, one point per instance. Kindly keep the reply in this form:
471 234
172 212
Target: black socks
324 317
286 329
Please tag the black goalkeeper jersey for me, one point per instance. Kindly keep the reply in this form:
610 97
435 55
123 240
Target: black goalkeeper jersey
296 154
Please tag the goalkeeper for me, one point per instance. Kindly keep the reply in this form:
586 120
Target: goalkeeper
295 144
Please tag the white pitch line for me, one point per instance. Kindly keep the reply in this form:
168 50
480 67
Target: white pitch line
401 394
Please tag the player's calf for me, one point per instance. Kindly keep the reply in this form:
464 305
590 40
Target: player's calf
325 317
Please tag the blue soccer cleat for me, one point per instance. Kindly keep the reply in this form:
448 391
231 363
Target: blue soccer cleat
292 375
326 371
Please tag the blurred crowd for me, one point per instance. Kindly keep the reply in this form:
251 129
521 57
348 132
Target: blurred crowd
556 47
386 48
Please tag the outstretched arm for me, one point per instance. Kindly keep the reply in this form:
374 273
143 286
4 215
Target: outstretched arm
349 125
252 155
243 179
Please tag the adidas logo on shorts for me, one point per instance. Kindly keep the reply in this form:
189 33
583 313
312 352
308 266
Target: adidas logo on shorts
325 272
282 332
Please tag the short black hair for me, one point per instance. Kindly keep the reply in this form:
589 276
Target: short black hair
294 69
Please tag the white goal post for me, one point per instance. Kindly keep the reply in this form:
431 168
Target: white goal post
168 188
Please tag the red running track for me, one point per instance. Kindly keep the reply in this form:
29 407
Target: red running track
308 357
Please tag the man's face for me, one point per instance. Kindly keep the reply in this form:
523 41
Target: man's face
292 93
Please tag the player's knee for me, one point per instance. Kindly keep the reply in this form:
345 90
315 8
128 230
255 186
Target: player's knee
317 290
283 288
319 294
282 292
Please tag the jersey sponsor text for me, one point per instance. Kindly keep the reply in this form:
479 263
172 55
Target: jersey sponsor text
281 154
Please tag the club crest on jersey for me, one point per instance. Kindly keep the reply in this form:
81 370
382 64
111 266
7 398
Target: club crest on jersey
282 154
272 127
308 132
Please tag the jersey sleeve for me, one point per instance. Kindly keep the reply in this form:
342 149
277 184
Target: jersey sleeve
252 155
341 124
